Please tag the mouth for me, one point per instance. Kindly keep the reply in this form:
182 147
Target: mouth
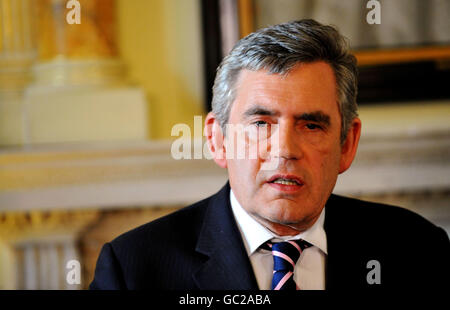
286 182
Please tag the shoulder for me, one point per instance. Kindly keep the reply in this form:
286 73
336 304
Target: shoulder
394 236
180 226
151 250
380 219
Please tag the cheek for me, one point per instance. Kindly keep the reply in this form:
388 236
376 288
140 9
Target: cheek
244 171
324 162
244 156
245 181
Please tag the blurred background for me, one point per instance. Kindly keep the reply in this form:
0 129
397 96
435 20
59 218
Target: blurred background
87 110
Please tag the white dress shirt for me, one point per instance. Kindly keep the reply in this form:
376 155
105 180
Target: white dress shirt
309 272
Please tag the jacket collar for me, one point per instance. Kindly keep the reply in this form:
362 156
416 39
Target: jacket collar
227 266
343 267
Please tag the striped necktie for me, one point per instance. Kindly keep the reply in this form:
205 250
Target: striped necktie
285 256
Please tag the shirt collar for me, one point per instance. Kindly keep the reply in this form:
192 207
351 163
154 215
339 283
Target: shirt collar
254 234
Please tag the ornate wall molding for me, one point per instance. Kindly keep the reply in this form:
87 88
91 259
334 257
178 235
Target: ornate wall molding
36 246
117 175
51 195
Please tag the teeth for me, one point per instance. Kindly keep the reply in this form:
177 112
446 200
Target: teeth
285 182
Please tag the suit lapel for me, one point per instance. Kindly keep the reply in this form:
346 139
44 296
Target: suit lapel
228 265
344 268
333 262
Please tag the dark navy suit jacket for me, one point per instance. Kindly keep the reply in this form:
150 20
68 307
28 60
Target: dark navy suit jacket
200 247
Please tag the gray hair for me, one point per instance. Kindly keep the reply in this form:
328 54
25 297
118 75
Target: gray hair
278 49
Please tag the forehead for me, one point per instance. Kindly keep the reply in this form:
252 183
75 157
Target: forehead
306 86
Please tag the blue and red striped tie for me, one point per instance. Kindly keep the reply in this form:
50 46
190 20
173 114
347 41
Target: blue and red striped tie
285 256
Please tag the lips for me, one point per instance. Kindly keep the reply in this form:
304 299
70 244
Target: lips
286 179
287 183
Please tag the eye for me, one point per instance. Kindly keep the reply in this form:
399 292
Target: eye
260 123
312 126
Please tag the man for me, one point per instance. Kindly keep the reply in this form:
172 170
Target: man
275 225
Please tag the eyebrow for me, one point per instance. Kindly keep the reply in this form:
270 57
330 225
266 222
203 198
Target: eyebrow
258 110
316 116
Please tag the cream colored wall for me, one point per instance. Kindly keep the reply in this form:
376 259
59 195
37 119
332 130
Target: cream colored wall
160 42
7 264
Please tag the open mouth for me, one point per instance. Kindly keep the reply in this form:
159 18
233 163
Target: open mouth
286 180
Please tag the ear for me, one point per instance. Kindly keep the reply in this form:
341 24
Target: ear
348 149
215 140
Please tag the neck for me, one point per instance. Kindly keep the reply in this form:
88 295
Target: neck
286 229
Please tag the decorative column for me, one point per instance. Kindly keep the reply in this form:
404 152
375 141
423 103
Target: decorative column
30 268
78 91
40 243
17 52
71 55
69 252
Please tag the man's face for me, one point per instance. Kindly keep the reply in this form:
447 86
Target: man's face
308 156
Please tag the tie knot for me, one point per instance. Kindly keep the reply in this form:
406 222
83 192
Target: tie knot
286 253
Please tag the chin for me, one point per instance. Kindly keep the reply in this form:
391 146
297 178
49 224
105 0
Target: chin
286 216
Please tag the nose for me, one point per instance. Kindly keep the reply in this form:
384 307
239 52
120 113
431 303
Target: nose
286 143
